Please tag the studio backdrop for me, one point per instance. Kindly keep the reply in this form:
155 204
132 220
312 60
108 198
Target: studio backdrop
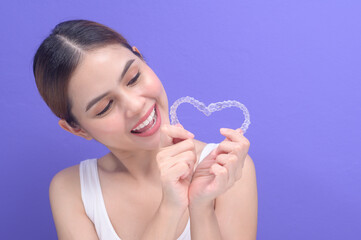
296 66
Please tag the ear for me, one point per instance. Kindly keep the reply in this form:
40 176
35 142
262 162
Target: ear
136 50
74 130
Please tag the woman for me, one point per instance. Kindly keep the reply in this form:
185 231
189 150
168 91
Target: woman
157 181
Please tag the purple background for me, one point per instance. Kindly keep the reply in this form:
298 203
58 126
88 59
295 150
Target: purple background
296 65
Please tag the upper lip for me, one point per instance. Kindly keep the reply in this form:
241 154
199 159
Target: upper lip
144 117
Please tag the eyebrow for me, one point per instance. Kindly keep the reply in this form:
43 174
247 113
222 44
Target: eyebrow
97 99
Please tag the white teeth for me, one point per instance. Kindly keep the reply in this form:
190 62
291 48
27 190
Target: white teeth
146 122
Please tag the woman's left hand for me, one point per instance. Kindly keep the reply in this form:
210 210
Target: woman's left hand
220 169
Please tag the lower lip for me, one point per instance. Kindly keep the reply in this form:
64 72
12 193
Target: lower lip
152 130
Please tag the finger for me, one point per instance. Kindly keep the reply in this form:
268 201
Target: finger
239 130
177 140
188 174
177 171
169 132
178 131
165 140
179 125
231 166
221 177
239 148
184 145
232 135
229 161
188 157
226 147
221 159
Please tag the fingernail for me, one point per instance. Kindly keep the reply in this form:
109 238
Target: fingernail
190 134
223 129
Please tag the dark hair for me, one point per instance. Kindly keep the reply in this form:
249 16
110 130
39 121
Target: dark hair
59 55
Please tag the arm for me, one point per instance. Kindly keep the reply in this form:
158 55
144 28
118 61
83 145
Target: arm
204 224
70 219
175 160
236 209
235 212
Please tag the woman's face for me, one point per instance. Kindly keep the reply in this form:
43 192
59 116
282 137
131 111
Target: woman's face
111 91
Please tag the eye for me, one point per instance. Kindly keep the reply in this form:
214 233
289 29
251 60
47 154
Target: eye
106 108
134 80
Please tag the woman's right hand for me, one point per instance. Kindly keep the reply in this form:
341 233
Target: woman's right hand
176 159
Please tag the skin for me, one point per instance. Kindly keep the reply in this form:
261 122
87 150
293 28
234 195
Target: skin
134 167
130 104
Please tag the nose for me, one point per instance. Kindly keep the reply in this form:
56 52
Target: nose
133 105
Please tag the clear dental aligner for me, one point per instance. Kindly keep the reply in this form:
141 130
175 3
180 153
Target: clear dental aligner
213 107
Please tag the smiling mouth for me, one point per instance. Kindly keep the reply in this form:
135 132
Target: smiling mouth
146 124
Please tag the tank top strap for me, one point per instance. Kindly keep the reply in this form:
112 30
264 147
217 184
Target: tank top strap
207 150
93 201
88 183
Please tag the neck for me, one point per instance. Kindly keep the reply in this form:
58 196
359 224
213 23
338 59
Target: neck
140 166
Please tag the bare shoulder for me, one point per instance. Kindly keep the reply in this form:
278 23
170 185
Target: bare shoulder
237 208
64 192
67 182
70 219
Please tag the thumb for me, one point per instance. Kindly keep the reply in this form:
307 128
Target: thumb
165 139
179 125
177 140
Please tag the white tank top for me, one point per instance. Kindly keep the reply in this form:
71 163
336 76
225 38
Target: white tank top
93 201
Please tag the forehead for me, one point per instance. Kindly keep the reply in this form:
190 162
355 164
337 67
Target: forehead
97 71
92 62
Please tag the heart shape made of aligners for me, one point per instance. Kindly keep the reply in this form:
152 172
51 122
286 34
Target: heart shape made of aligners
213 107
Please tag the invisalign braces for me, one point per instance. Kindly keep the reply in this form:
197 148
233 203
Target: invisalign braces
213 107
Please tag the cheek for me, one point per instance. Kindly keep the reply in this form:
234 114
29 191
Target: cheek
152 83
154 87
107 127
